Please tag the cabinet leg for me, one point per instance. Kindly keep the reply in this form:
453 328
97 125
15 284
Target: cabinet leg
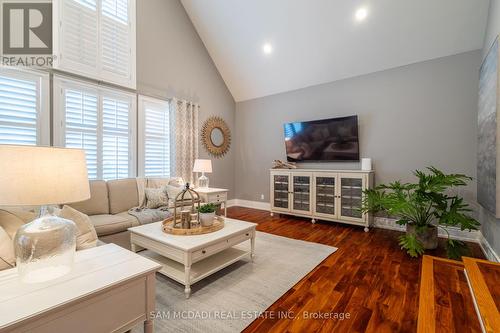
272 214
252 244
313 221
187 288
366 229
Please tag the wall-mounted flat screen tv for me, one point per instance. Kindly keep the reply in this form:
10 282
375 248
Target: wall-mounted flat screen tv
327 140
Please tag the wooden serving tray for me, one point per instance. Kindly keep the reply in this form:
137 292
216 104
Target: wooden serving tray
168 227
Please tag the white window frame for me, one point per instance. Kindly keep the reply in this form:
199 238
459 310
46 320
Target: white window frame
59 122
96 73
141 115
43 101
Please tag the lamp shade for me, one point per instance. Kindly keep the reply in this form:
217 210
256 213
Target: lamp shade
202 165
42 175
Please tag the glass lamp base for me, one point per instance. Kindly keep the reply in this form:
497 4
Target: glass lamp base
45 249
203 181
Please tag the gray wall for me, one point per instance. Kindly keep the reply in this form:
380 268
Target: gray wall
490 225
409 118
173 62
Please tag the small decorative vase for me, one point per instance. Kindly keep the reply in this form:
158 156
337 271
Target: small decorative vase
45 249
207 219
428 236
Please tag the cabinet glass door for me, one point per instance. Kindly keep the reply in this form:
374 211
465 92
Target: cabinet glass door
301 193
280 191
325 195
351 192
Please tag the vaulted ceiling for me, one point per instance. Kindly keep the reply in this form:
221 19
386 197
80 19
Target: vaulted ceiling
264 47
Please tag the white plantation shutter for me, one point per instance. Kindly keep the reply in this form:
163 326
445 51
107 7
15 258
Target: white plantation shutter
23 112
154 136
81 109
97 39
79 40
115 39
102 122
115 138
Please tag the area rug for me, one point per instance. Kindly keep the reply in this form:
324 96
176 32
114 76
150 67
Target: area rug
229 300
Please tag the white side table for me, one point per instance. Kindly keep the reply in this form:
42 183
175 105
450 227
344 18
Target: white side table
213 195
90 298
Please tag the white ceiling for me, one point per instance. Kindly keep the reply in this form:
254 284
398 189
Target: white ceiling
319 41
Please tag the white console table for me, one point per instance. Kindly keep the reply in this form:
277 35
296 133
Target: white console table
109 289
331 195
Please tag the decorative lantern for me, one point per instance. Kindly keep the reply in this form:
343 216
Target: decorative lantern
186 209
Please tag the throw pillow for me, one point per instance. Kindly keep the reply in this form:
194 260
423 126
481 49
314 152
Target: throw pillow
156 198
12 219
86 236
7 257
176 181
173 190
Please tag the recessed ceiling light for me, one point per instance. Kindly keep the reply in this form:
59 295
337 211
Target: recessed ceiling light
267 48
361 14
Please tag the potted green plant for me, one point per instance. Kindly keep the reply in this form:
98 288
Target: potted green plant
207 214
424 207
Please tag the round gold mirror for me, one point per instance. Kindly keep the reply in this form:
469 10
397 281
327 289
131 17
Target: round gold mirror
216 136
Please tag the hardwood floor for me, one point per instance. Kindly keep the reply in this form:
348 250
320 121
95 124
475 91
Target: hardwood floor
369 278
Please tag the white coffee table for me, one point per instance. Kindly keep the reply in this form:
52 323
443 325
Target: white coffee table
188 259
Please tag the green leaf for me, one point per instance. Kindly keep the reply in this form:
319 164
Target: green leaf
411 244
456 249
402 222
208 208
424 203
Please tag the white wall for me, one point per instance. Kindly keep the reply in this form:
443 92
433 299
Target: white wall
409 118
173 62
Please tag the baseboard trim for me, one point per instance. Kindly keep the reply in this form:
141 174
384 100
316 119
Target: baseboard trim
249 204
390 224
455 233
488 250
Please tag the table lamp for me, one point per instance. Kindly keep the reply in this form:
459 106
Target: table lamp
41 176
202 166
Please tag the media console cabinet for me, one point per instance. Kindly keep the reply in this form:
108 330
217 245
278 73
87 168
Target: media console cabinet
331 195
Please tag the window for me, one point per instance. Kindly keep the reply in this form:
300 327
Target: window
97 39
24 107
154 137
99 120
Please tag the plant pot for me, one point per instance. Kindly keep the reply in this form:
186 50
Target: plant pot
427 236
207 219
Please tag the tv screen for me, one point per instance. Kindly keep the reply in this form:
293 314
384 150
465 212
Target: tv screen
330 140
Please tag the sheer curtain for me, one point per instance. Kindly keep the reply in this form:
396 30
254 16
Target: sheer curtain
185 129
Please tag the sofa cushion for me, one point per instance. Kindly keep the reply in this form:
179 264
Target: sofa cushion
98 202
12 219
86 236
132 219
122 195
7 257
109 224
